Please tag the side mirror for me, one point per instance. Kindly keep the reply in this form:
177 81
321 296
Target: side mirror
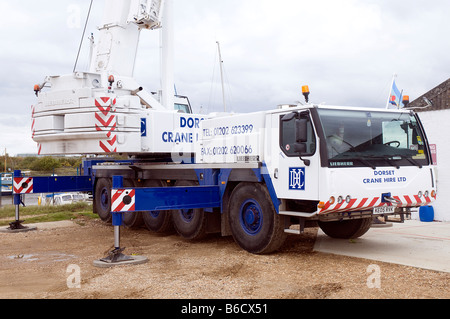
300 148
301 137
289 117
301 130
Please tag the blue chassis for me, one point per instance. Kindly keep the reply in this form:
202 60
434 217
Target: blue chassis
208 195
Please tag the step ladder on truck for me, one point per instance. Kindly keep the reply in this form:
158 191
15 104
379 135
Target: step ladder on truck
256 176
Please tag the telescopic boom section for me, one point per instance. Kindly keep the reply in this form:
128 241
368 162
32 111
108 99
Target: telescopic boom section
119 34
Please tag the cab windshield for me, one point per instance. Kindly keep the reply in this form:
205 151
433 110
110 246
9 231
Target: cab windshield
359 138
183 108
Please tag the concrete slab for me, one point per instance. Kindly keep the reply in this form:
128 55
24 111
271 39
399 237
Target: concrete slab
416 244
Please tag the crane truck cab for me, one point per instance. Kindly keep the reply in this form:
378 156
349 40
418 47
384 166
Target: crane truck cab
336 167
351 163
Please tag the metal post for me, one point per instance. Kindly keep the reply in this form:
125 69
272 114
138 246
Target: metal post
17 226
167 57
117 220
17 212
222 77
116 257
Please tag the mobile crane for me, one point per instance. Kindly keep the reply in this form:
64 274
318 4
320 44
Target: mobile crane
257 177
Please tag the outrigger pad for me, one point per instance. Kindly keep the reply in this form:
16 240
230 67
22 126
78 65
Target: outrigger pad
117 258
17 225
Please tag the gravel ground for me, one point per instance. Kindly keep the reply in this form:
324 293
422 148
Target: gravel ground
214 268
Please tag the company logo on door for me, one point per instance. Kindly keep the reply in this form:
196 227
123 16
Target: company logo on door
297 179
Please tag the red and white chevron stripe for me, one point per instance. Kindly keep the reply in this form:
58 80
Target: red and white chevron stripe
371 203
105 104
106 121
413 201
123 200
33 128
33 122
23 185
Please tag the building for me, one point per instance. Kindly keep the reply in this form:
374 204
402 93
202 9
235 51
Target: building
436 119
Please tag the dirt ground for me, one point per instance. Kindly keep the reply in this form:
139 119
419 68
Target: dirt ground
214 268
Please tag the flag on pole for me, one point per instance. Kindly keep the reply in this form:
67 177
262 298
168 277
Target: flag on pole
395 98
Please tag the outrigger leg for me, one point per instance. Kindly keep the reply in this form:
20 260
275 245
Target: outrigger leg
16 226
116 256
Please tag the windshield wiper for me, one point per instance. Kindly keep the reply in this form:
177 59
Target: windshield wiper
385 158
409 159
353 158
365 162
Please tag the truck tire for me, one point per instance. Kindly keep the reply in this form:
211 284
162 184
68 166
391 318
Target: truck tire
102 199
189 223
132 220
159 221
254 223
346 229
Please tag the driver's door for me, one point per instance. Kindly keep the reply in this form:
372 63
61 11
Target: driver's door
295 174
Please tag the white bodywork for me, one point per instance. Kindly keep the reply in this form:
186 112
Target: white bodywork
83 113
255 138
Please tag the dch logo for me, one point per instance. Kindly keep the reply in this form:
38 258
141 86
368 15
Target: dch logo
297 179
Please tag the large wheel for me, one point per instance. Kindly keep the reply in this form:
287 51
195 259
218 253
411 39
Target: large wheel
158 221
102 199
132 220
254 223
346 229
189 223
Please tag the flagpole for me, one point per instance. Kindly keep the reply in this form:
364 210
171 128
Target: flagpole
390 92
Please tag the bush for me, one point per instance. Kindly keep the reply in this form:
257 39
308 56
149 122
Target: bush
45 164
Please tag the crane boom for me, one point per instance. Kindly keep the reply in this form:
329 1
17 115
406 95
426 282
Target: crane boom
149 13
119 34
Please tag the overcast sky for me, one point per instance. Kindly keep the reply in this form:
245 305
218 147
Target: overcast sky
346 51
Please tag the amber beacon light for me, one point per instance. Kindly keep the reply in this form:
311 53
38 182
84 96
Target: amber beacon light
306 92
